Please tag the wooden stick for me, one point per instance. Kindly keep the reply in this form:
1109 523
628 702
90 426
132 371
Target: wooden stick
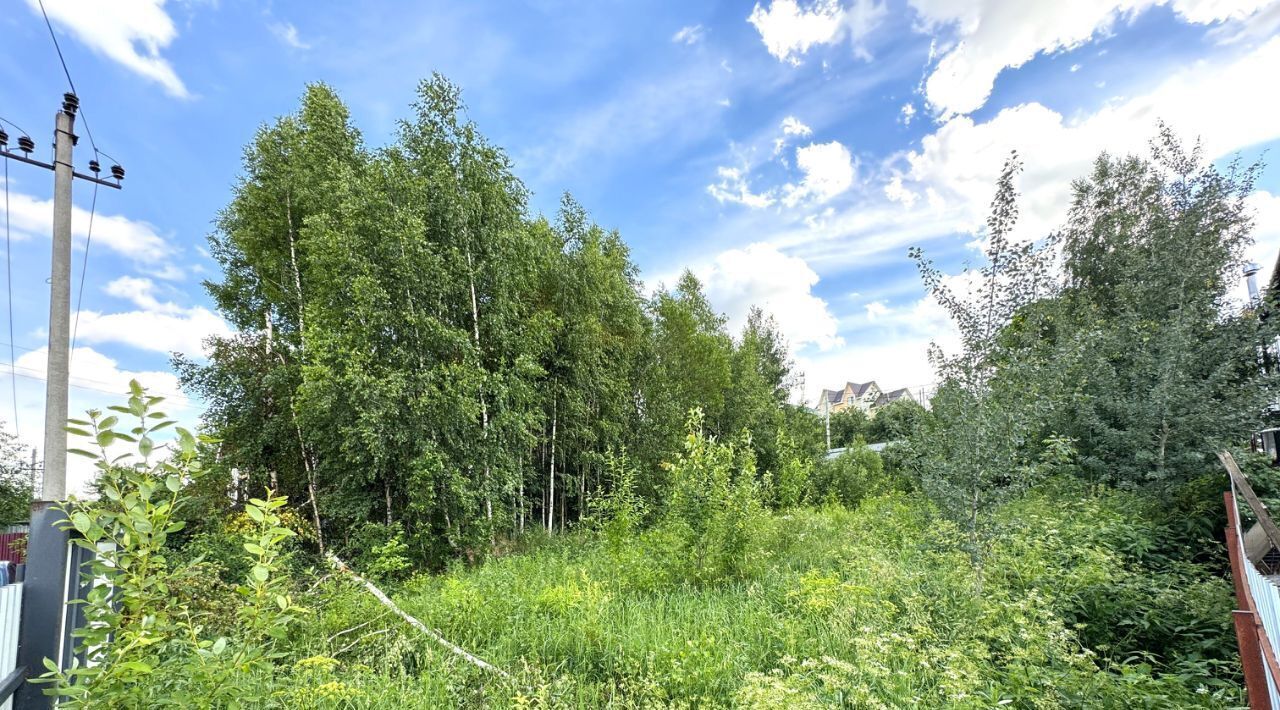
430 633
1260 510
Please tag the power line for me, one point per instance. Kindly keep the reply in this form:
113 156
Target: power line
84 270
53 35
31 373
8 266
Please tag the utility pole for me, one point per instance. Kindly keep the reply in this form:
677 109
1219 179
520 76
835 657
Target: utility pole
826 410
54 485
59 367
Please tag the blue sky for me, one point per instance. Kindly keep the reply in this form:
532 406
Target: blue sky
789 152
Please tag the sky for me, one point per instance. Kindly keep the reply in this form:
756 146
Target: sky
789 152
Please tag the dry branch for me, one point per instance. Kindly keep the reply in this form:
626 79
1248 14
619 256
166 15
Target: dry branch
430 633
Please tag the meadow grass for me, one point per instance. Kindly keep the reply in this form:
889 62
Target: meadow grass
874 607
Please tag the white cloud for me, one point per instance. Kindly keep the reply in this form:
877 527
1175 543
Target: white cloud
828 170
876 309
96 381
287 33
993 35
130 32
1219 102
725 103
907 113
789 30
791 126
691 34
134 239
160 326
733 187
782 285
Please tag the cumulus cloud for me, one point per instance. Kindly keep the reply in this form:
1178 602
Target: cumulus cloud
159 326
789 30
993 35
134 239
828 170
1217 101
691 34
132 33
780 284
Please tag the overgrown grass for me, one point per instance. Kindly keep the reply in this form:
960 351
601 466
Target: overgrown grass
873 607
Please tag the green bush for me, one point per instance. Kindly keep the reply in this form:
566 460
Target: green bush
852 476
149 632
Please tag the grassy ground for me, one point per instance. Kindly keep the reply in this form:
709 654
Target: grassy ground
876 607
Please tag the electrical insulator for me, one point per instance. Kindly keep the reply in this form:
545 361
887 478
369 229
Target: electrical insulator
117 172
4 139
26 145
94 167
70 103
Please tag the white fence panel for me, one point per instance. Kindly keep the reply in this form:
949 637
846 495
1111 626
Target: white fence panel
10 618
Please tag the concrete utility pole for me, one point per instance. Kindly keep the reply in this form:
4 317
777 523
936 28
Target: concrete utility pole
54 485
826 410
59 365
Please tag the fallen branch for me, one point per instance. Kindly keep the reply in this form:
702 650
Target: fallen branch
353 644
431 633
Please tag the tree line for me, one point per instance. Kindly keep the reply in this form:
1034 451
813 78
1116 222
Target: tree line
419 356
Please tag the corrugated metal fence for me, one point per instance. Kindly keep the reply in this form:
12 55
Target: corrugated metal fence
10 615
1257 621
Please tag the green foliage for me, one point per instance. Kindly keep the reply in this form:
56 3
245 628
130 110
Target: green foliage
855 474
1168 371
148 641
712 504
792 481
897 421
16 483
416 348
848 426
380 552
873 607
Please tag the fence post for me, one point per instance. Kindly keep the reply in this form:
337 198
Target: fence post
43 603
1255 677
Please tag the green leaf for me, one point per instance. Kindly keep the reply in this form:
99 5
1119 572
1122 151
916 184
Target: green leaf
220 645
173 483
77 431
81 521
82 452
254 549
255 512
282 601
109 422
260 573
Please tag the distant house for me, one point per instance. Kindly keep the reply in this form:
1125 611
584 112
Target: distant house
893 396
866 396
861 395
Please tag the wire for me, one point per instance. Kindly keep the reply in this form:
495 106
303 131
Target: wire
84 270
67 72
16 127
8 266
38 375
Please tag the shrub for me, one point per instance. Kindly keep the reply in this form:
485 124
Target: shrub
713 501
146 642
852 476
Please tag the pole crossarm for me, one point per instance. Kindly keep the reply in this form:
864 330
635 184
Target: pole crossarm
49 166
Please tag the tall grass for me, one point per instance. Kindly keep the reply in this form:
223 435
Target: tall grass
873 607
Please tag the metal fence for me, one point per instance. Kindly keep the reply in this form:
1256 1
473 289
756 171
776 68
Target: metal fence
1254 567
10 615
